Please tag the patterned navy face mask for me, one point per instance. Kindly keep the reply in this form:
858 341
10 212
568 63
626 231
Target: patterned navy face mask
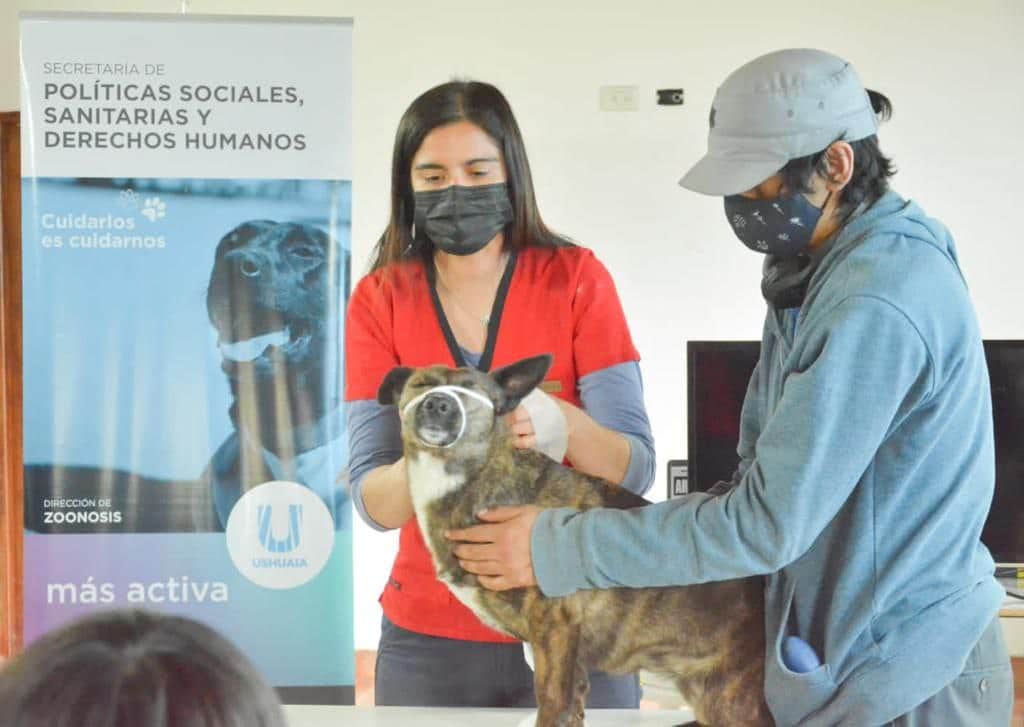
782 226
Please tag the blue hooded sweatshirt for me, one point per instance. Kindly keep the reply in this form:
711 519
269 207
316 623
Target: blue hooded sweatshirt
866 472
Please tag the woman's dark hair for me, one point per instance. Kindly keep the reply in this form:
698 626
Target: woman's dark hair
871 168
132 668
481 104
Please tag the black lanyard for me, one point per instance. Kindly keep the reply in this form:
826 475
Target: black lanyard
492 322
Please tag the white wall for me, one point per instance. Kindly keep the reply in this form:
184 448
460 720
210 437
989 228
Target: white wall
952 69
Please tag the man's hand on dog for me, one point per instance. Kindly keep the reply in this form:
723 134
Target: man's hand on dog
498 553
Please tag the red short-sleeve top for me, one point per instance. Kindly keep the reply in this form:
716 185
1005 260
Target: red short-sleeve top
558 300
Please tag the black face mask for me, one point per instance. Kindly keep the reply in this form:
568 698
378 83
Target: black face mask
462 220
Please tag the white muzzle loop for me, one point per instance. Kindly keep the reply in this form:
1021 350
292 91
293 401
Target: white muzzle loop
451 392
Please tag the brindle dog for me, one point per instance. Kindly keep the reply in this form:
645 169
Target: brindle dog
708 638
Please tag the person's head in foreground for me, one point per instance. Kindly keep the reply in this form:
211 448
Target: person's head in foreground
135 669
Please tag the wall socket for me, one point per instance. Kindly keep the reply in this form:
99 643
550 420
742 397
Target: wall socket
619 98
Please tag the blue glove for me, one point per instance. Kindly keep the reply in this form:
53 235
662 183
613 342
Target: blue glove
798 655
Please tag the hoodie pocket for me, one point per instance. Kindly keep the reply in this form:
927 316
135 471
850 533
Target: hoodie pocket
791 695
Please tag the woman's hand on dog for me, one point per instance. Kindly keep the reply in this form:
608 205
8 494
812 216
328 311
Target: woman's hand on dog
498 552
523 434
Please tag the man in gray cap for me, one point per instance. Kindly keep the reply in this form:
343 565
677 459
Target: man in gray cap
866 449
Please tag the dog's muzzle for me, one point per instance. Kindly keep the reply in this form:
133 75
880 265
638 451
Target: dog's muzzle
436 411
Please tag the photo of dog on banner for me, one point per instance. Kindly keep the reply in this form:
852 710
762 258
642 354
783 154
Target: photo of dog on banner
273 303
273 299
262 310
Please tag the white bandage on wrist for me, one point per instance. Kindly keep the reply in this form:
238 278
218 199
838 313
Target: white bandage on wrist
549 424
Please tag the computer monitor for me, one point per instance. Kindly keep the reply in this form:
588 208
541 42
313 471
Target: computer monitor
717 376
1004 528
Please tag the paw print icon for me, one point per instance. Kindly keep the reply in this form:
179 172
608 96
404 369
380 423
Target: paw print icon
153 209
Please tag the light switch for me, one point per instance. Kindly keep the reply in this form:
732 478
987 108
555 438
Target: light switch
619 98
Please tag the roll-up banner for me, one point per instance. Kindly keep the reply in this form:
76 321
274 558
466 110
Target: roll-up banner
186 247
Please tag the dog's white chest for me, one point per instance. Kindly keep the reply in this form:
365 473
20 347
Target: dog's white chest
428 482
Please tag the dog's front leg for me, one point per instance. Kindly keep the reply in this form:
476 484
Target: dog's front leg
559 681
581 687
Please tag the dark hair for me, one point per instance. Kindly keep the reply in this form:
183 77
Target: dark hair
128 668
481 104
871 168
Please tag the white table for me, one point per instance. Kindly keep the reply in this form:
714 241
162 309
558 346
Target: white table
323 716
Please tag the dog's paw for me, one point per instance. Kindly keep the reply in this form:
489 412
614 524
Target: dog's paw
530 720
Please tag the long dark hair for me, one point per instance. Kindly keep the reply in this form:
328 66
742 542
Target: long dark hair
481 104
871 168
124 668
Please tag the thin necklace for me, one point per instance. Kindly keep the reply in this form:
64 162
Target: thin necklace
484 320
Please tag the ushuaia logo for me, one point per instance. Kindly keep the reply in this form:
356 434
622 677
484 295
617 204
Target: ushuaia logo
280 535
285 545
279 546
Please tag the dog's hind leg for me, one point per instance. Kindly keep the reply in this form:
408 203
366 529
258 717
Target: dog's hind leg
728 697
691 688
559 681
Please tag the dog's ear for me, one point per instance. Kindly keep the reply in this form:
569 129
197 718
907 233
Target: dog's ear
519 379
390 390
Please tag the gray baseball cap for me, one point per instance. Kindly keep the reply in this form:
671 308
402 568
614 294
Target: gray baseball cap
781 106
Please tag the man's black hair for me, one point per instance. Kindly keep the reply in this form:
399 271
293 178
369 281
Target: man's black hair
871 168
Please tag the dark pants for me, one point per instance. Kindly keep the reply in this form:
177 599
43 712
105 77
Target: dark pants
416 670
982 696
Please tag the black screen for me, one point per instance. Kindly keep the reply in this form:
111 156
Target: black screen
717 376
1004 528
